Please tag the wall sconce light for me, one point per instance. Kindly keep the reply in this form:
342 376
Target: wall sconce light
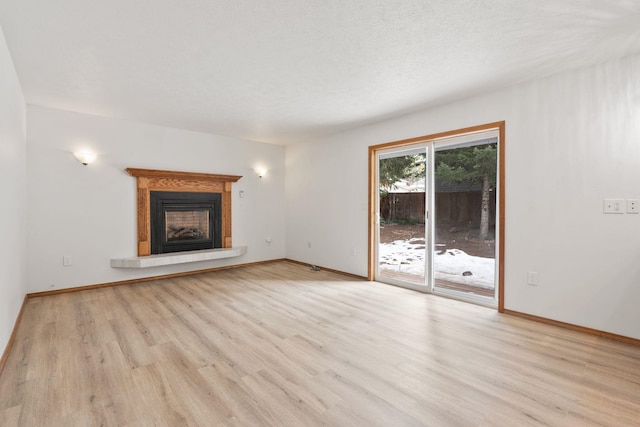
85 157
261 172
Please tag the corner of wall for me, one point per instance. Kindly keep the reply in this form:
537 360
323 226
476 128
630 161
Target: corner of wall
13 170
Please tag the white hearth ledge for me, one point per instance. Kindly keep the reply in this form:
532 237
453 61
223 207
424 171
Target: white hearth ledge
177 257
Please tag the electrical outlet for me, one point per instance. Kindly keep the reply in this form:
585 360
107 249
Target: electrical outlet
633 206
532 278
614 206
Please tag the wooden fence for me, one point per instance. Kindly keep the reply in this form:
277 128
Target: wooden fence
455 209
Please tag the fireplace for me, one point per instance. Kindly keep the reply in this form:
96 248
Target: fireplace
184 221
152 180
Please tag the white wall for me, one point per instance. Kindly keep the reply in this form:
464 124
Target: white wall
89 212
14 187
571 141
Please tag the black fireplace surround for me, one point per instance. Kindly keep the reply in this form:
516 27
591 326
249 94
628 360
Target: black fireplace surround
184 221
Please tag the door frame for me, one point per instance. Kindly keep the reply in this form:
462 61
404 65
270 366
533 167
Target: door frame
373 178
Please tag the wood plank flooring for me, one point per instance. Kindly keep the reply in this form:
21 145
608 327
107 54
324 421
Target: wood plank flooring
280 345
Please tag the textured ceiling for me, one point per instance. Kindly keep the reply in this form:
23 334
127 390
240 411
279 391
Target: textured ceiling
284 71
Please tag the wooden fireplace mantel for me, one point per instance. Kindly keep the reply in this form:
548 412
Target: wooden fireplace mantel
159 180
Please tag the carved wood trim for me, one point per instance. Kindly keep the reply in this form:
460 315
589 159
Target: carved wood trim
159 180
194 176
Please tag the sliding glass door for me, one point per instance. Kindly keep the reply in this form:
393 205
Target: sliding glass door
464 219
402 225
436 225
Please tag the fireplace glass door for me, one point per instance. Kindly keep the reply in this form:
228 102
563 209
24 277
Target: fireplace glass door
181 225
185 221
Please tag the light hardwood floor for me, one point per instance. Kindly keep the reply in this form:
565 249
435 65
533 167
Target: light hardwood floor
278 344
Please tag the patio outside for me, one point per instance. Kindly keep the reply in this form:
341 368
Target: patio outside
461 261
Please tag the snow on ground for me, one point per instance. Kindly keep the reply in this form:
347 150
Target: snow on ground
407 256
